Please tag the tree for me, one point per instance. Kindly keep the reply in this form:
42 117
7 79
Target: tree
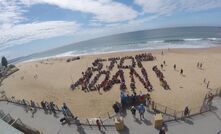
4 61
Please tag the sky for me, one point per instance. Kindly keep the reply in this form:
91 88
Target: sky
29 26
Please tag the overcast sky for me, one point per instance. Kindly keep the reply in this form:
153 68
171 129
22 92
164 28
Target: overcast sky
35 25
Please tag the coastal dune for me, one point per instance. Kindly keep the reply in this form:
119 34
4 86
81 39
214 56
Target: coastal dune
50 80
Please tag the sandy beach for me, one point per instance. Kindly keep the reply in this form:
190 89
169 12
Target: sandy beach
50 80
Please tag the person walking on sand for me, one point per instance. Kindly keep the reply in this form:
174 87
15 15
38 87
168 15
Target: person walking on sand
162 52
174 66
133 111
204 80
208 84
201 65
161 66
181 71
164 62
186 111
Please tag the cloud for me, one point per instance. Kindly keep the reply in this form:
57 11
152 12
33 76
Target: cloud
172 6
15 31
10 12
24 33
102 10
108 17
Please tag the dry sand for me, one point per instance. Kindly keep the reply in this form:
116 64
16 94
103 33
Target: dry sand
54 77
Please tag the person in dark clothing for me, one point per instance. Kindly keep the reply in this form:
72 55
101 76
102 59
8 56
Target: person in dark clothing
43 106
98 124
186 111
133 111
52 105
116 108
174 66
162 131
25 105
164 62
33 108
181 71
161 66
133 99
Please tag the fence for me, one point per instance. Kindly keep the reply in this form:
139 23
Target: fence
170 114
70 120
21 103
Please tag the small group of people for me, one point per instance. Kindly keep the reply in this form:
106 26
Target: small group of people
48 107
181 70
134 102
207 83
133 99
199 65
164 64
31 107
140 108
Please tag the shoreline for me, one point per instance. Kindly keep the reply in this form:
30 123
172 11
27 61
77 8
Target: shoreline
117 52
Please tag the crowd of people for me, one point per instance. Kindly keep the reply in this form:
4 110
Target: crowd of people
112 61
118 77
92 85
146 83
116 80
122 60
134 102
144 57
161 77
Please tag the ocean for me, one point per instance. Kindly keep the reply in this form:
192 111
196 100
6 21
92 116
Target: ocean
179 37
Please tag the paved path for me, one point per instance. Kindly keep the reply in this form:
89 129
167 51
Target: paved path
207 123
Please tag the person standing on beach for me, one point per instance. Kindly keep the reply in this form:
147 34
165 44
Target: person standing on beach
174 66
161 66
186 111
162 52
181 71
204 81
208 84
201 65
